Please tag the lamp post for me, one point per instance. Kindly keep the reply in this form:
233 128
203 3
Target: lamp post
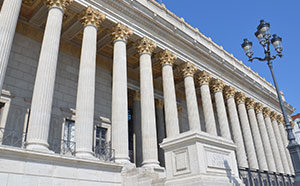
263 35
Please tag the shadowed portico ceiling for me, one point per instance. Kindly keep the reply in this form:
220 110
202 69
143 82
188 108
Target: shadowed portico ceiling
34 13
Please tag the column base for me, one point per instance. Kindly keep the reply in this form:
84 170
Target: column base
36 146
151 164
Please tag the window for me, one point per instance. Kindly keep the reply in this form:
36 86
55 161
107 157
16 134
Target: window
101 134
298 123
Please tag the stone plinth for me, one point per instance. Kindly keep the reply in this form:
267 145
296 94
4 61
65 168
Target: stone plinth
197 158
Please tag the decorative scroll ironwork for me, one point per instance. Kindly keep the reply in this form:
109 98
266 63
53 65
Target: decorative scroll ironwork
258 178
64 147
104 152
12 137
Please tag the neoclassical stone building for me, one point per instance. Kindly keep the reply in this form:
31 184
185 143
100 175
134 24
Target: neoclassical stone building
123 92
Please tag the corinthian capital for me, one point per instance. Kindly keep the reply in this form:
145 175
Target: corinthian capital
159 103
229 92
273 115
145 45
266 111
166 57
250 103
240 98
121 32
280 119
92 16
216 85
188 69
258 107
62 4
204 78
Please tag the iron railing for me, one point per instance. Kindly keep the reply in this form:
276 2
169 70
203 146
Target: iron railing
104 152
258 178
64 147
12 137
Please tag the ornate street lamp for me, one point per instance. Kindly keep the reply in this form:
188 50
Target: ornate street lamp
263 35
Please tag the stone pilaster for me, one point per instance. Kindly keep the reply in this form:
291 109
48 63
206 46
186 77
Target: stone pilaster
40 115
229 93
251 154
217 88
8 21
119 116
261 157
280 143
188 71
210 123
160 123
274 145
167 59
84 123
150 157
265 138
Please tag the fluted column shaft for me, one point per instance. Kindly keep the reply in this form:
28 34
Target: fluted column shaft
210 123
119 95
86 86
262 162
283 158
149 137
191 99
274 145
44 83
171 115
8 21
217 88
229 93
251 154
265 138
285 142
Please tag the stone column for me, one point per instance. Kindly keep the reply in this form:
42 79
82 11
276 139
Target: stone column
161 132
167 60
210 123
119 117
261 157
274 145
280 144
41 105
188 71
285 142
136 119
8 21
149 139
265 138
229 93
240 100
84 123
217 88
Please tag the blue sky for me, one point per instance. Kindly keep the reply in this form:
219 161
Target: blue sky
228 22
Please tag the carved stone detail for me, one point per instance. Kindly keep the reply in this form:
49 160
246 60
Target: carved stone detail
166 57
216 85
273 115
258 107
159 103
280 119
145 45
62 4
229 92
137 95
266 111
250 103
121 32
179 109
204 78
240 98
188 69
92 16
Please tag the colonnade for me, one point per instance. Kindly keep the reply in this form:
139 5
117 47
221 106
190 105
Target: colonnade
257 131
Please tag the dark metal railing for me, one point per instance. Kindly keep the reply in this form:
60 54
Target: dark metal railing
12 137
258 178
104 152
64 147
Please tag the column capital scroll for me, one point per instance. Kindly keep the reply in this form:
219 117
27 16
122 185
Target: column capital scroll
145 45
266 112
91 16
137 95
188 69
204 78
166 57
273 115
217 85
280 119
229 92
240 97
250 103
258 107
121 32
159 103
62 4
